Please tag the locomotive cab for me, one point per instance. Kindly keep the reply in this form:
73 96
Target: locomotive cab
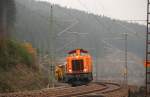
78 67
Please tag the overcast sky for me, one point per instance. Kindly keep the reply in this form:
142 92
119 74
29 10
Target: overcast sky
118 9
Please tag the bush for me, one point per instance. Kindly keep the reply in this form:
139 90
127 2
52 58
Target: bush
13 53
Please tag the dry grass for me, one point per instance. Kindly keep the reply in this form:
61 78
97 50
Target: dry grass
21 78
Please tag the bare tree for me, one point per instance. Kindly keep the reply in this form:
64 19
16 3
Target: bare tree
7 17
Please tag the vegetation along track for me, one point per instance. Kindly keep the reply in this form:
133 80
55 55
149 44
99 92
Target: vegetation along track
67 91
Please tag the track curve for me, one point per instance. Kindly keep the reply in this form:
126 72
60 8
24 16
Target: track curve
67 91
110 87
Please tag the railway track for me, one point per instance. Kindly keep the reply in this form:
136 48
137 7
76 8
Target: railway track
110 87
68 91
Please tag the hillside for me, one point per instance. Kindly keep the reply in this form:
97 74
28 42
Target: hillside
18 68
33 24
38 24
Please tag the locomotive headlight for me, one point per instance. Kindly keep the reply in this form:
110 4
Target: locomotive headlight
85 70
77 56
70 70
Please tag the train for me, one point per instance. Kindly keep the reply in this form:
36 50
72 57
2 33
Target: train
60 73
78 68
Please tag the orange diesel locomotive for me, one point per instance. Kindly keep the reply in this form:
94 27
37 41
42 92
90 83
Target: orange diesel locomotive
78 67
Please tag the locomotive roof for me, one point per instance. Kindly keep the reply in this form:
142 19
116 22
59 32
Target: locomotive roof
74 51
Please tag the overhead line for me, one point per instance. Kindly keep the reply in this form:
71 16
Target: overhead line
135 20
116 22
95 17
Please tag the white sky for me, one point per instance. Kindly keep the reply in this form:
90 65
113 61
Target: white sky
118 9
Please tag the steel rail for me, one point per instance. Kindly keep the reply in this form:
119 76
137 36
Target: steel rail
67 91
